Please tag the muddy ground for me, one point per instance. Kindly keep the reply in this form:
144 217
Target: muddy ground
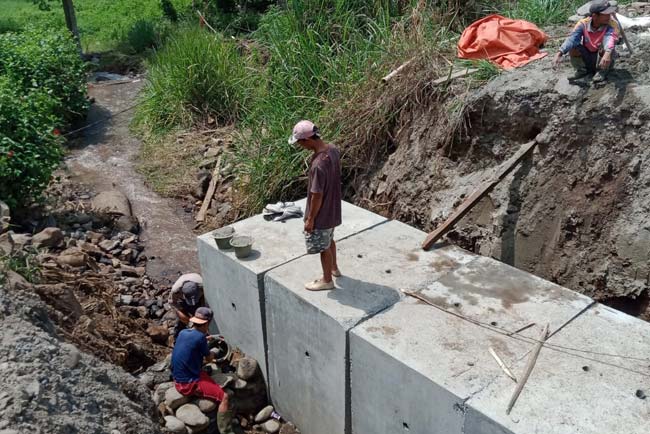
576 212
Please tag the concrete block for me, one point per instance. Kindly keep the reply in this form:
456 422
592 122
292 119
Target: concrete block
414 366
234 287
308 331
571 394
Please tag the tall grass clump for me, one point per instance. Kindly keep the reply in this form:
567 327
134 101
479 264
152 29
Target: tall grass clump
540 12
196 77
317 51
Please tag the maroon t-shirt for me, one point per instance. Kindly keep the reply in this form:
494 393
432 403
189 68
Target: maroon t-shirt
325 178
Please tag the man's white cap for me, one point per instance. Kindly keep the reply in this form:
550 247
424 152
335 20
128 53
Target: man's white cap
303 130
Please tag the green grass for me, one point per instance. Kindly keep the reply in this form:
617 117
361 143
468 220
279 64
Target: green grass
103 24
195 77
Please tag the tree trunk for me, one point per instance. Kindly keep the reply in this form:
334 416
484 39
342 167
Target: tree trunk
71 22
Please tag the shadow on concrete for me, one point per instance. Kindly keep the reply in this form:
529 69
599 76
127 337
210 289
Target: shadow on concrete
366 296
255 254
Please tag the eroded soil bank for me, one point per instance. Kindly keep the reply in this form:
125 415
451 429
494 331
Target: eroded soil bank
575 212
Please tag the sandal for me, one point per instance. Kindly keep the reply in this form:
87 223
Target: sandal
319 285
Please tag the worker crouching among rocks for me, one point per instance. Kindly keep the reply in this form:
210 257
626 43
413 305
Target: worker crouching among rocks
190 352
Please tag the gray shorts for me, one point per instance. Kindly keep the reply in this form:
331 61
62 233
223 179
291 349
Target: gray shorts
319 240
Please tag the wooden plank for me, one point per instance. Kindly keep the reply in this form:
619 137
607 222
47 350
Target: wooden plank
529 368
205 206
475 197
455 75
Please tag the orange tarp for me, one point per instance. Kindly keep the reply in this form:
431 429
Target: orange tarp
506 42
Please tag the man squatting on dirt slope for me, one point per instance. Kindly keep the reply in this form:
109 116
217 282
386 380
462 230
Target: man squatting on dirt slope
592 43
190 350
323 211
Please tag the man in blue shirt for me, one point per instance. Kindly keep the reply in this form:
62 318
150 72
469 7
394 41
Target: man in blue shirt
190 350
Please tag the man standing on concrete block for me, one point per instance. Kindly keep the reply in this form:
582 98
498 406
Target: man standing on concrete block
323 211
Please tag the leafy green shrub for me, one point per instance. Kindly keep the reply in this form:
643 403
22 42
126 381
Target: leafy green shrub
47 60
42 87
194 77
29 149
142 36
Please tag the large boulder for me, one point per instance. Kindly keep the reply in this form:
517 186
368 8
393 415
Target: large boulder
192 416
48 237
206 405
246 368
174 425
113 202
264 414
72 257
173 398
271 426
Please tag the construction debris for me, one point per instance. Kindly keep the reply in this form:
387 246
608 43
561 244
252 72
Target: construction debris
529 368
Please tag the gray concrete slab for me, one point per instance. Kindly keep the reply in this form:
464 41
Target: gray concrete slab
414 356
566 394
307 331
234 287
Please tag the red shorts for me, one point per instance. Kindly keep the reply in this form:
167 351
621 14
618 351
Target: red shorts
204 388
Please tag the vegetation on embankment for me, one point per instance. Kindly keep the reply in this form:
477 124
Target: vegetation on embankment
311 59
128 25
42 89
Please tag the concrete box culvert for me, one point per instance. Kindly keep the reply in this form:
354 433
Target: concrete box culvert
417 365
234 288
308 331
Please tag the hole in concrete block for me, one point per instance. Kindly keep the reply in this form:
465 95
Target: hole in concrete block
359 256
233 306
406 426
585 368
493 323
640 394
457 304
307 354
388 271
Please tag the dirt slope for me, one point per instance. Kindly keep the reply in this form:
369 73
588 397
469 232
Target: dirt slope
49 386
575 212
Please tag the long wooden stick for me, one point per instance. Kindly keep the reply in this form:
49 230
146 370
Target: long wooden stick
623 35
502 365
205 206
396 71
529 368
475 197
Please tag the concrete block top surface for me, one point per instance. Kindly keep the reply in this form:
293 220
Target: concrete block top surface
376 264
493 292
587 389
276 243
454 352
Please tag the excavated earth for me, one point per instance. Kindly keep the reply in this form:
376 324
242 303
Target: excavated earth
576 211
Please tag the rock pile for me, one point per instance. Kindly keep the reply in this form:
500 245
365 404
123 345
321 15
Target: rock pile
241 379
90 268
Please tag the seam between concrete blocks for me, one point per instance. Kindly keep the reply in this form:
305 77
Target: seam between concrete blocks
261 285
